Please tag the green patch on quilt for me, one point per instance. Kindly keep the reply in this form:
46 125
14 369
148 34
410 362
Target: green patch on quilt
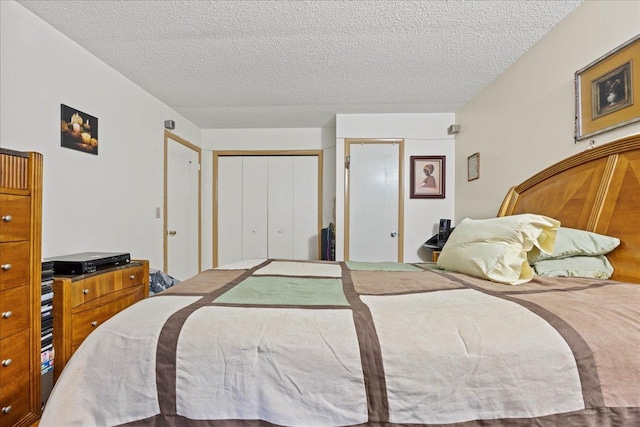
270 290
380 266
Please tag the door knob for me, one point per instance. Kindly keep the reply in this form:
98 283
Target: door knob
394 234
173 233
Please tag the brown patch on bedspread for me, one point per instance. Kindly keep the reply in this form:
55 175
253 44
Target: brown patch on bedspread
204 283
400 282
618 366
370 351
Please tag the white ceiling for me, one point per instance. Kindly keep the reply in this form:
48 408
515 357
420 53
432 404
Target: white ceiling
269 64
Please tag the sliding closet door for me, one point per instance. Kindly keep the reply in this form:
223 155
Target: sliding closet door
305 207
255 187
266 207
280 206
293 207
229 209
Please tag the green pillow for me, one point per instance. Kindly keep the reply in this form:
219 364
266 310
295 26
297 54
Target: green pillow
595 267
572 242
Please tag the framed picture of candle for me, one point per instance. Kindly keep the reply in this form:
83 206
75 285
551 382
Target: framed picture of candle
78 130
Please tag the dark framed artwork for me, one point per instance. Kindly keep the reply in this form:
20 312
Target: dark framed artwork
608 91
473 167
78 130
428 177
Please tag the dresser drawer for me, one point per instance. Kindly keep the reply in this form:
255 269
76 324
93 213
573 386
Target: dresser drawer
14 399
14 311
14 217
14 264
83 322
14 357
99 285
132 276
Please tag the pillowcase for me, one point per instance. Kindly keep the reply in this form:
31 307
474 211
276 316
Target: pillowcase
595 267
571 242
496 248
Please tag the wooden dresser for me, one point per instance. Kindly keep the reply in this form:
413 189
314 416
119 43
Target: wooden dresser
20 265
82 303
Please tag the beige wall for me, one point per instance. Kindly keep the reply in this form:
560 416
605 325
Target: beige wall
524 120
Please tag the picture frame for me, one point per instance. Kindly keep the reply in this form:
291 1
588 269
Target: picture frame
608 91
473 167
78 130
428 177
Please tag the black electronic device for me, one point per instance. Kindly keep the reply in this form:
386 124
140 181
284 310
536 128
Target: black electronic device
443 231
437 241
87 262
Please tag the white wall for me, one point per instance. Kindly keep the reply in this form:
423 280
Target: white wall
423 134
90 203
523 122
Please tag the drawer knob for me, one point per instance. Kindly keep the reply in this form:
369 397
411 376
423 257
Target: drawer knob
6 409
133 276
6 267
7 314
7 218
94 323
6 362
85 291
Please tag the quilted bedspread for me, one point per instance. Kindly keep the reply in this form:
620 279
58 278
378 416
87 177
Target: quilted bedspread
308 343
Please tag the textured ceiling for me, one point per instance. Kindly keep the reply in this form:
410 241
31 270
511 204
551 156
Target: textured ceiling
264 64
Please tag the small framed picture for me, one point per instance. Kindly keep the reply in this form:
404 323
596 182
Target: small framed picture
78 130
608 91
428 177
473 167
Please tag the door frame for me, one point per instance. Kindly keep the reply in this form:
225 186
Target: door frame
223 153
169 135
347 171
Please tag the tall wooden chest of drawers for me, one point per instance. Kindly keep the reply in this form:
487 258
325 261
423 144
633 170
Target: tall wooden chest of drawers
82 303
20 265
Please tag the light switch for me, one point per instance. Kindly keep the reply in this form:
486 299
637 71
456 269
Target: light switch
157 212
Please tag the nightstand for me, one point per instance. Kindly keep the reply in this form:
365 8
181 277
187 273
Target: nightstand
82 303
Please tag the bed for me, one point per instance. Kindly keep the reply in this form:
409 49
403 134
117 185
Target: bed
319 343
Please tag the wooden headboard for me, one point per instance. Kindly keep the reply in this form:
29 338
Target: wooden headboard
596 190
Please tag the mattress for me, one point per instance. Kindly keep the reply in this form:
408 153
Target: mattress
306 343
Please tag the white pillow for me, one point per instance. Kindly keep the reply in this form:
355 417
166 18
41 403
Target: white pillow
496 248
596 267
572 242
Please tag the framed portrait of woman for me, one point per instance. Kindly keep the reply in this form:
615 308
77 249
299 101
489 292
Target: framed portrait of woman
428 177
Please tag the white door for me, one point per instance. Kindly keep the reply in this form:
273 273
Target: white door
266 207
293 207
280 207
373 179
229 209
254 207
305 207
182 215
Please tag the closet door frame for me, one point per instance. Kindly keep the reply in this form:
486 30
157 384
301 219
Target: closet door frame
222 153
